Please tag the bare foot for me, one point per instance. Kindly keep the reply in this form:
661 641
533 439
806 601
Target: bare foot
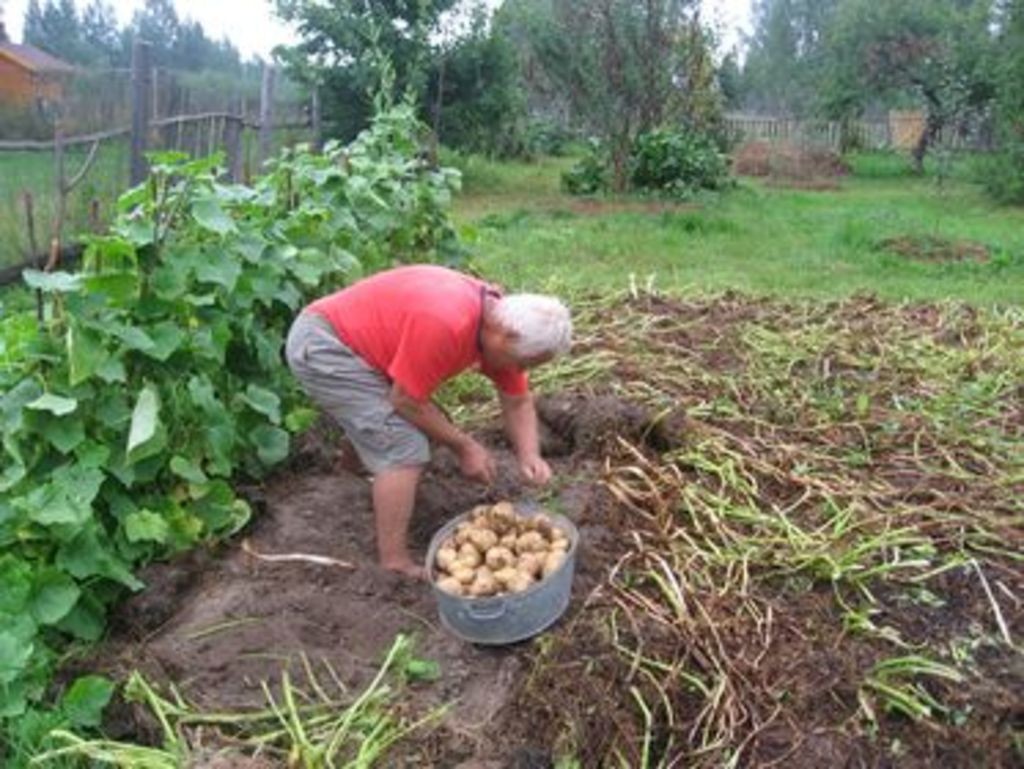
406 568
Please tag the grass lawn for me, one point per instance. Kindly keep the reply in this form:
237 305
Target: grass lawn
33 172
525 232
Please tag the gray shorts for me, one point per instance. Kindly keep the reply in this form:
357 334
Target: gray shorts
354 394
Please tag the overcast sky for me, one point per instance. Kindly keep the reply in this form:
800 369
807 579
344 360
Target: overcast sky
252 27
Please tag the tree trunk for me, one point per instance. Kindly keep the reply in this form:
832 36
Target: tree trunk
932 126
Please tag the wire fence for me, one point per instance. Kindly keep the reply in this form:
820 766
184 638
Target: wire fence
66 158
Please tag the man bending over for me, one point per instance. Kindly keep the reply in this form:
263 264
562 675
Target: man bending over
371 355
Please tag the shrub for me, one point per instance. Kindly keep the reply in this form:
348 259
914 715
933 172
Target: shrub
677 163
546 137
1003 175
591 173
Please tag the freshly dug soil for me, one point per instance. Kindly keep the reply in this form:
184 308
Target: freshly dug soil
219 624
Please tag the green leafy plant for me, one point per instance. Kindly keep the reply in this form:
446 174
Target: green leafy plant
673 163
678 163
590 174
156 377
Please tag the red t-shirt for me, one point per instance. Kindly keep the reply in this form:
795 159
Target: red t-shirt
418 325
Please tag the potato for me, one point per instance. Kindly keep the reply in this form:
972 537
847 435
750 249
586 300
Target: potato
450 585
542 523
531 563
483 539
553 562
499 557
521 582
462 533
470 556
560 542
503 511
506 576
509 540
446 558
484 584
464 574
480 513
531 542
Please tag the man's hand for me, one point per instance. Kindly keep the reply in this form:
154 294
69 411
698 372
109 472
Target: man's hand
476 462
535 470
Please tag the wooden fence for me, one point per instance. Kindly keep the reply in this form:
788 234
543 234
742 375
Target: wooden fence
900 131
198 134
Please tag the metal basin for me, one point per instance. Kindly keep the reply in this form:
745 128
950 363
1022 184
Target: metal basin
511 617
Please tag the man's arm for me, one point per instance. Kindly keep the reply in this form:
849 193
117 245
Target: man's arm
474 460
520 419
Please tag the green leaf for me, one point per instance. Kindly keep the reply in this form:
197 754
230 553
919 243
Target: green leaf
84 702
14 656
422 670
112 370
220 442
65 435
55 404
85 621
167 338
120 288
220 510
146 436
138 231
133 338
210 215
14 402
15 585
219 269
113 411
169 281
93 454
56 282
264 402
188 470
86 353
272 444
54 594
145 526
66 500
300 419
90 554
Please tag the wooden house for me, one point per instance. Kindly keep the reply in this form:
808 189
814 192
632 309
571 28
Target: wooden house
30 77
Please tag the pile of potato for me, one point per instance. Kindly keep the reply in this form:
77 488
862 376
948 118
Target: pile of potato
496 551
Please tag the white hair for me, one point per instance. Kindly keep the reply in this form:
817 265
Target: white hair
541 324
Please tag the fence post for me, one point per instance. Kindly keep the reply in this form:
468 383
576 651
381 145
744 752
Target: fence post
318 136
266 111
233 146
141 74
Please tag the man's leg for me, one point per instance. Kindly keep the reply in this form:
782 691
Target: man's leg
394 496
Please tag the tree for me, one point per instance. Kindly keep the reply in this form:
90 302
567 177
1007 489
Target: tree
625 67
934 51
783 67
1005 178
474 99
356 47
56 28
101 35
730 81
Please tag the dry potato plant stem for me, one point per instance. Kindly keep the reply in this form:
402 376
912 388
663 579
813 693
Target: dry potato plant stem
837 459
